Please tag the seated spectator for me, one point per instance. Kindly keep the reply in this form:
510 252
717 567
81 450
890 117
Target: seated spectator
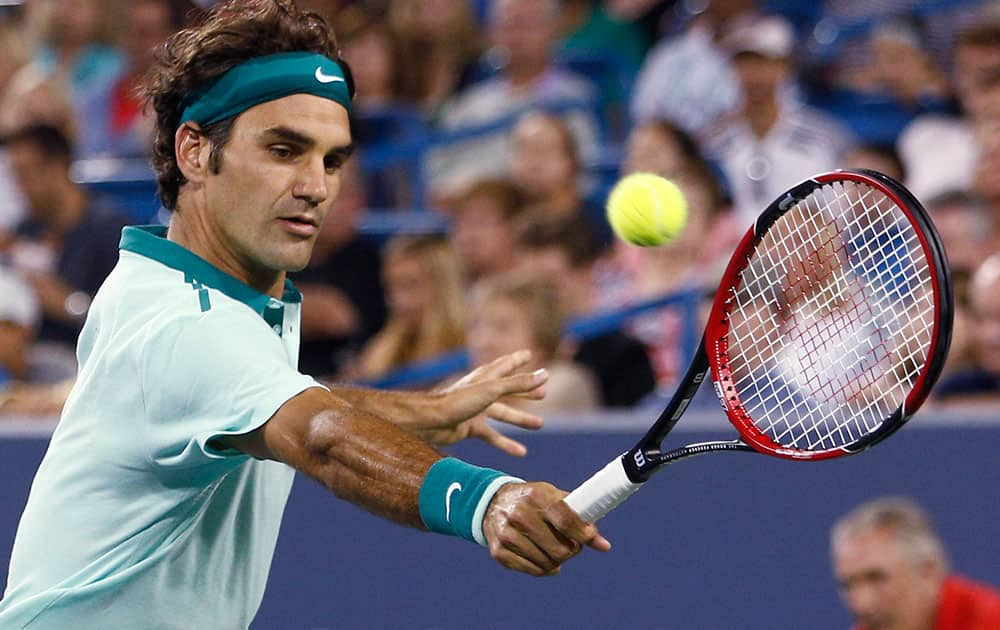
19 317
423 288
13 56
892 571
370 47
694 260
68 242
773 142
968 230
545 166
983 378
940 151
440 41
483 228
75 53
343 302
903 68
511 313
557 248
688 78
523 33
116 125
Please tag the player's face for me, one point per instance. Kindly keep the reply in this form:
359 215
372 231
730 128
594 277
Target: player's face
279 175
883 586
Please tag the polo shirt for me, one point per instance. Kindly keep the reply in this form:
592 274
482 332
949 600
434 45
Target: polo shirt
138 517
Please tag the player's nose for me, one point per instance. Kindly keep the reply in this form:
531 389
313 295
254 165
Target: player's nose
312 182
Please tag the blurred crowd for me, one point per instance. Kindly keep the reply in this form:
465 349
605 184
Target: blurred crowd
509 119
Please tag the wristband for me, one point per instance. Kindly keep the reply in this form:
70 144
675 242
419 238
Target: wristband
455 495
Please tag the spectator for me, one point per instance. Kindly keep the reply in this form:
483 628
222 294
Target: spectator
968 232
591 29
523 33
545 165
773 142
483 227
693 261
903 68
553 247
426 309
509 313
13 56
19 318
892 570
941 151
75 53
343 302
115 123
441 44
371 50
983 377
68 242
688 79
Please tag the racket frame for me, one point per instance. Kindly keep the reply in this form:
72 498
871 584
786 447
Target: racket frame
646 457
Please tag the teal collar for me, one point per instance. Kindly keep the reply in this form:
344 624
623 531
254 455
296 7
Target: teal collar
150 241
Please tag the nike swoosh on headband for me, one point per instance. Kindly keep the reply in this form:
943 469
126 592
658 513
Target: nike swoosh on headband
326 78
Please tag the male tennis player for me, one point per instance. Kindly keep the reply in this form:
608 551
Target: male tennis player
167 476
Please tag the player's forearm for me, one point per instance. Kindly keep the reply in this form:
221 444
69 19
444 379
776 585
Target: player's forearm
369 462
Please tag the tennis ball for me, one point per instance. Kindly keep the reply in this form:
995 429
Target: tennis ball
646 209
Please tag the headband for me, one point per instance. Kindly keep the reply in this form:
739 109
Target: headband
268 78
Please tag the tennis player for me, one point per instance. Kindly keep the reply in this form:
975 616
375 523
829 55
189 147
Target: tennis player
166 478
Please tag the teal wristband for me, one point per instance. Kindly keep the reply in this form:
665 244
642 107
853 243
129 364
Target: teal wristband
455 495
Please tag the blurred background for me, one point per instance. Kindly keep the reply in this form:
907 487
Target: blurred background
471 223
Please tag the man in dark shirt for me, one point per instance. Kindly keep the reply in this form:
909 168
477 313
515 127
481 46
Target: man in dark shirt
344 303
68 242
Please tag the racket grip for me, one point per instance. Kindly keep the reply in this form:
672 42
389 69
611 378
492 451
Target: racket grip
603 492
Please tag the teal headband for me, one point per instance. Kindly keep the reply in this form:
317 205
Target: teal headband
268 78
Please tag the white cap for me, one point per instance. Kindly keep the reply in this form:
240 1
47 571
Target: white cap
18 303
771 36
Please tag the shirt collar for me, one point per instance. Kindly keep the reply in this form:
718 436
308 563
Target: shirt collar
150 241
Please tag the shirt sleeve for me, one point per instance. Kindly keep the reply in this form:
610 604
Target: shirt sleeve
203 377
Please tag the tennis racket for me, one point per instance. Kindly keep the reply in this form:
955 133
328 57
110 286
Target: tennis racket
830 325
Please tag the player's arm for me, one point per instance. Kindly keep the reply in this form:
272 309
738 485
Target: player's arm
380 467
459 411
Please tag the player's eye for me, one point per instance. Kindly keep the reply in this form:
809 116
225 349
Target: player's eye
282 152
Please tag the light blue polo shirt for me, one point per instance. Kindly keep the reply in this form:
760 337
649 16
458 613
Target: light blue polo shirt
137 518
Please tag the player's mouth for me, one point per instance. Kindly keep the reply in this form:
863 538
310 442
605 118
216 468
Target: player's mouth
300 225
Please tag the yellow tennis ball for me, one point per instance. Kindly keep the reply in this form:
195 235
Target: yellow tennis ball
646 209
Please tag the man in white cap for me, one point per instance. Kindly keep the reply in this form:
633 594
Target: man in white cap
773 141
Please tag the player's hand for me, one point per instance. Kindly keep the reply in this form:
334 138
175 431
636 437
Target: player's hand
463 408
530 529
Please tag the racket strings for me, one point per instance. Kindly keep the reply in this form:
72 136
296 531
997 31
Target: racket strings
831 322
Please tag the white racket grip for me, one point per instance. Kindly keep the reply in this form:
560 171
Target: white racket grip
603 492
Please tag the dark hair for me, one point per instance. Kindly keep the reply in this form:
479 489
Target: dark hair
232 33
569 233
885 151
51 141
982 34
502 192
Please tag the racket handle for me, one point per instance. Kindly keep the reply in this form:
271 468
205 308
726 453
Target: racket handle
603 492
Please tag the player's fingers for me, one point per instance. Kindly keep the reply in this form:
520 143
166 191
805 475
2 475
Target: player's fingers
505 365
512 415
508 445
569 524
513 561
519 383
526 546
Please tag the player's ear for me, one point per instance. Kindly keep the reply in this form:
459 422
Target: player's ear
192 149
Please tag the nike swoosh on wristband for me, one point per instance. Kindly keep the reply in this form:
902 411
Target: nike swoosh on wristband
326 78
455 486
